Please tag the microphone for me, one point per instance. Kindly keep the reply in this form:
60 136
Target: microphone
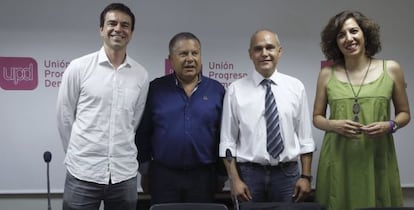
47 156
229 158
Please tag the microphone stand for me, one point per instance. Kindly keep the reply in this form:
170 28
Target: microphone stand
229 158
47 157
48 187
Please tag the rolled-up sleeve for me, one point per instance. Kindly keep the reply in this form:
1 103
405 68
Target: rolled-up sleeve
304 127
229 125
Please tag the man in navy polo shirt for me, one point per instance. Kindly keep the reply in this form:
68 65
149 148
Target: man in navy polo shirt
178 136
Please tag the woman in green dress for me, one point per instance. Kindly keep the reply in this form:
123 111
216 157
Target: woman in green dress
358 164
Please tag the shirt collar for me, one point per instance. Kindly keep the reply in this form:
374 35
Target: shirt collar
178 83
258 78
103 58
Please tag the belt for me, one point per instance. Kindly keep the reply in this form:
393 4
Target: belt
267 167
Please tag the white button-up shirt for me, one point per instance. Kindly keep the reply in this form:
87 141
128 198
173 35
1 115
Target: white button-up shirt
243 128
98 110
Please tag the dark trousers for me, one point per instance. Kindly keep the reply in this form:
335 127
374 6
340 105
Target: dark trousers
270 183
180 185
82 195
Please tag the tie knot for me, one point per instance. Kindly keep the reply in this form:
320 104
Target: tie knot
266 82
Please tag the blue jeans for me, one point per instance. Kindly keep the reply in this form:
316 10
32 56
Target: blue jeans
270 184
82 195
171 185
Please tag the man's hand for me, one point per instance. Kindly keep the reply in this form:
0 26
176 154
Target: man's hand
241 191
302 190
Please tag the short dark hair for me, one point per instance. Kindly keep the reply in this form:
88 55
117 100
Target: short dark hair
118 7
329 34
182 36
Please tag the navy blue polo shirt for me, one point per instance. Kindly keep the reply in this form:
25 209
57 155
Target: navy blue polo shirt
180 131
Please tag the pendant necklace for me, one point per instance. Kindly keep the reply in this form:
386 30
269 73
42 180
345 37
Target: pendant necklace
356 107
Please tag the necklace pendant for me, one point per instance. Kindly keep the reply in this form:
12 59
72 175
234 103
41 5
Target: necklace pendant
356 108
356 118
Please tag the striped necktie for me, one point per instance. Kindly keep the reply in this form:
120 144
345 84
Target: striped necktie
274 138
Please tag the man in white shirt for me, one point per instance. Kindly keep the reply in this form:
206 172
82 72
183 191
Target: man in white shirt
259 176
100 103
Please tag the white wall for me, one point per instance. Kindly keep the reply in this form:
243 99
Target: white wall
58 31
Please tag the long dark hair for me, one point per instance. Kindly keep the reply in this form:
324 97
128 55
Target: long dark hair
329 34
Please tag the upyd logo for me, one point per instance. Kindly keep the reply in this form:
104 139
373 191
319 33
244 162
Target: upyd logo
168 67
18 73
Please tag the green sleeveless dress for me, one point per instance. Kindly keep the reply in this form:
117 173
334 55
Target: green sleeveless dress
362 172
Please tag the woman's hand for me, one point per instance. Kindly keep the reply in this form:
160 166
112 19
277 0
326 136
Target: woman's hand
346 128
376 129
